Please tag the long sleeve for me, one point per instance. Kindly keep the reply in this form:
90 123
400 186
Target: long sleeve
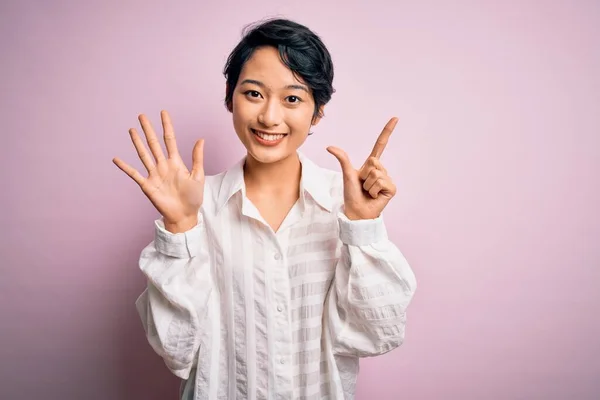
174 304
372 288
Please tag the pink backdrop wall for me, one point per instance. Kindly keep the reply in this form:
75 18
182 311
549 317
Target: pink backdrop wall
496 158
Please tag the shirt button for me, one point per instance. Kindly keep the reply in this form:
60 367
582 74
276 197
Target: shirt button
277 256
279 308
281 361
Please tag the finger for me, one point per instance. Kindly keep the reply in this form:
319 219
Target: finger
169 135
379 165
371 163
383 186
141 151
151 139
373 176
198 160
376 189
383 138
342 157
130 171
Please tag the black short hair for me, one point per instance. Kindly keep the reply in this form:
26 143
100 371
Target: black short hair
300 49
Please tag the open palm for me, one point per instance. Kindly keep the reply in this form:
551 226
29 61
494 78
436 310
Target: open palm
176 192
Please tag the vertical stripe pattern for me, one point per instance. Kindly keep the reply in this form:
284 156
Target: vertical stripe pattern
239 311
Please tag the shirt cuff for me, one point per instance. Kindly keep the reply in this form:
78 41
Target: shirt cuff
179 245
361 232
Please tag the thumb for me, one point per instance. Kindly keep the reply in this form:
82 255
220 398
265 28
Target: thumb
342 158
198 160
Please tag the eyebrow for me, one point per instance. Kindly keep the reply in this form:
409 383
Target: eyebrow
262 85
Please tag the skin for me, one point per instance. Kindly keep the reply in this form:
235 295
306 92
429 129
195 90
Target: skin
269 98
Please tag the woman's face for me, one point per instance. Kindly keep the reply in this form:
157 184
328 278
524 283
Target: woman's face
272 109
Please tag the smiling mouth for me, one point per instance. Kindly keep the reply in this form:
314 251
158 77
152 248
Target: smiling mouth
268 136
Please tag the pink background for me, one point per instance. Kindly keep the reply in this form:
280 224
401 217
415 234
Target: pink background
496 158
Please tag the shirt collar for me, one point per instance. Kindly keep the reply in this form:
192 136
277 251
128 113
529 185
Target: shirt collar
316 183
313 181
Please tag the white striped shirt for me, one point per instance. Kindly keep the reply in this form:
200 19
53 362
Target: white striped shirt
242 312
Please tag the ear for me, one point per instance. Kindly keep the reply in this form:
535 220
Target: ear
319 116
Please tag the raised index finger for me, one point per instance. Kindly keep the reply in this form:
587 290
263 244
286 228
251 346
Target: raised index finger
383 138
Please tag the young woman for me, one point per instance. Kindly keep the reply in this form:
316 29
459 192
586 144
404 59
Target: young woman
271 279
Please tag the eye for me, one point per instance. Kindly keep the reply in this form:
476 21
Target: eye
252 93
294 99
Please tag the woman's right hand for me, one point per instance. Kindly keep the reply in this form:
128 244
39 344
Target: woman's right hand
176 192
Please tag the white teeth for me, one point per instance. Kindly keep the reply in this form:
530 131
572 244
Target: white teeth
271 138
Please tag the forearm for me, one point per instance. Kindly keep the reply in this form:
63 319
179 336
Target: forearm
174 305
373 287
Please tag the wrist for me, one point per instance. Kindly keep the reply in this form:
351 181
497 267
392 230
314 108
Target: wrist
182 225
354 216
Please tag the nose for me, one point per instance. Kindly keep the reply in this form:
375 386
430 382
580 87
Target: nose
271 114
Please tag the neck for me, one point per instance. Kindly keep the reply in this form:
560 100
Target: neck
281 176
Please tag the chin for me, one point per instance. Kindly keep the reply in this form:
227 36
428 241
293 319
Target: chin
269 156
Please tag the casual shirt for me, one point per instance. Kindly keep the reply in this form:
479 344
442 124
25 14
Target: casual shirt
239 311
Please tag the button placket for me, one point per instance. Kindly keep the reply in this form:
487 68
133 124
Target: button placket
281 320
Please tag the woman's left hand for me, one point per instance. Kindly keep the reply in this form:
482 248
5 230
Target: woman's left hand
369 189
